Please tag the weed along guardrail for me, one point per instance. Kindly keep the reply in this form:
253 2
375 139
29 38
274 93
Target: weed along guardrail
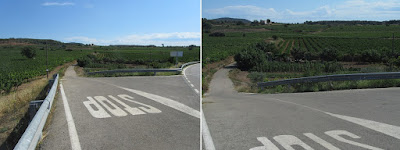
33 133
142 70
339 77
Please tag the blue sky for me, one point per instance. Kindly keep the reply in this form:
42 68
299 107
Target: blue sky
103 22
293 11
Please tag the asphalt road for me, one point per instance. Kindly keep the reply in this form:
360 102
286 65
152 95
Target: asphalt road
348 120
192 75
145 112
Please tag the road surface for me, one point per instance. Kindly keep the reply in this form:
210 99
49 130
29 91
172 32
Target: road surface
347 120
144 112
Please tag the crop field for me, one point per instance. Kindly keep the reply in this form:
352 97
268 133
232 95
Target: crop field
136 57
16 69
346 39
301 49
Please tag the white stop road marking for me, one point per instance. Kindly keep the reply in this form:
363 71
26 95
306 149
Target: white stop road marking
97 111
288 141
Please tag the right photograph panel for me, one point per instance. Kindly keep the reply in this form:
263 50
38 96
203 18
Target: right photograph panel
289 75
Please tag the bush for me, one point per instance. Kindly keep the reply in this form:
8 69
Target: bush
275 37
329 54
28 52
256 77
371 56
84 61
217 34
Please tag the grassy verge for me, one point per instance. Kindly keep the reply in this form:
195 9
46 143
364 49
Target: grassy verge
246 82
209 70
14 107
329 86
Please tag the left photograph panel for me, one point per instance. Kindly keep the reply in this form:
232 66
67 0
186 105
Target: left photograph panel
100 74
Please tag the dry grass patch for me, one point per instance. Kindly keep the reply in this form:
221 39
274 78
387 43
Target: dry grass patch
14 106
241 82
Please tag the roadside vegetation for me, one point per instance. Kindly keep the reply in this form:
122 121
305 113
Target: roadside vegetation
275 51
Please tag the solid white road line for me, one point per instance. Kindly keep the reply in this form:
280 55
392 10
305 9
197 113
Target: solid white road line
387 129
384 128
73 135
324 143
208 142
166 101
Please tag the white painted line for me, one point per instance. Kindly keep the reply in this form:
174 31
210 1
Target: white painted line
384 128
197 91
268 145
192 85
287 141
166 101
336 135
387 129
73 135
208 142
320 141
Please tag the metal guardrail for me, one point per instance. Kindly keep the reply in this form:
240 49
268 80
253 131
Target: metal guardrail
33 133
143 70
189 63
339 77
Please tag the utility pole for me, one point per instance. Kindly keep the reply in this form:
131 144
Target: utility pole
47 65
393 45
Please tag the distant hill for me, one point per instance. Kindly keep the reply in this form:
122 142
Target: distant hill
231 20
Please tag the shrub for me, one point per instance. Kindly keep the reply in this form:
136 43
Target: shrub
329 54
274 37
371 56
84 61
217 34
28 52
256 77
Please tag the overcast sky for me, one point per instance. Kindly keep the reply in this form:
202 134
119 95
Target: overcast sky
293 11
103 22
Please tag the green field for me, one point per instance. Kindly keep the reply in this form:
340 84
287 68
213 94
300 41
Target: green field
345 39
114 57
16 69
300 50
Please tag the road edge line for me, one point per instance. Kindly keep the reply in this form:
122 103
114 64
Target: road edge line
73 134
207 139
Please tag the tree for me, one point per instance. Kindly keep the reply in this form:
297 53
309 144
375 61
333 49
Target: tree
206 25
28 52
239 23
329 54
274 37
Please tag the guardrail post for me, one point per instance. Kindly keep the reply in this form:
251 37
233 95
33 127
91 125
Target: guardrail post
155 73
33 108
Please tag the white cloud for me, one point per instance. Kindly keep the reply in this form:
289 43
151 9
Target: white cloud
348 10
58 4
172 39
248 11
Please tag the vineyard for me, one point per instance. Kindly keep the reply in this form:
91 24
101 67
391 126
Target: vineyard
133 57
312 38
16 69
302 49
